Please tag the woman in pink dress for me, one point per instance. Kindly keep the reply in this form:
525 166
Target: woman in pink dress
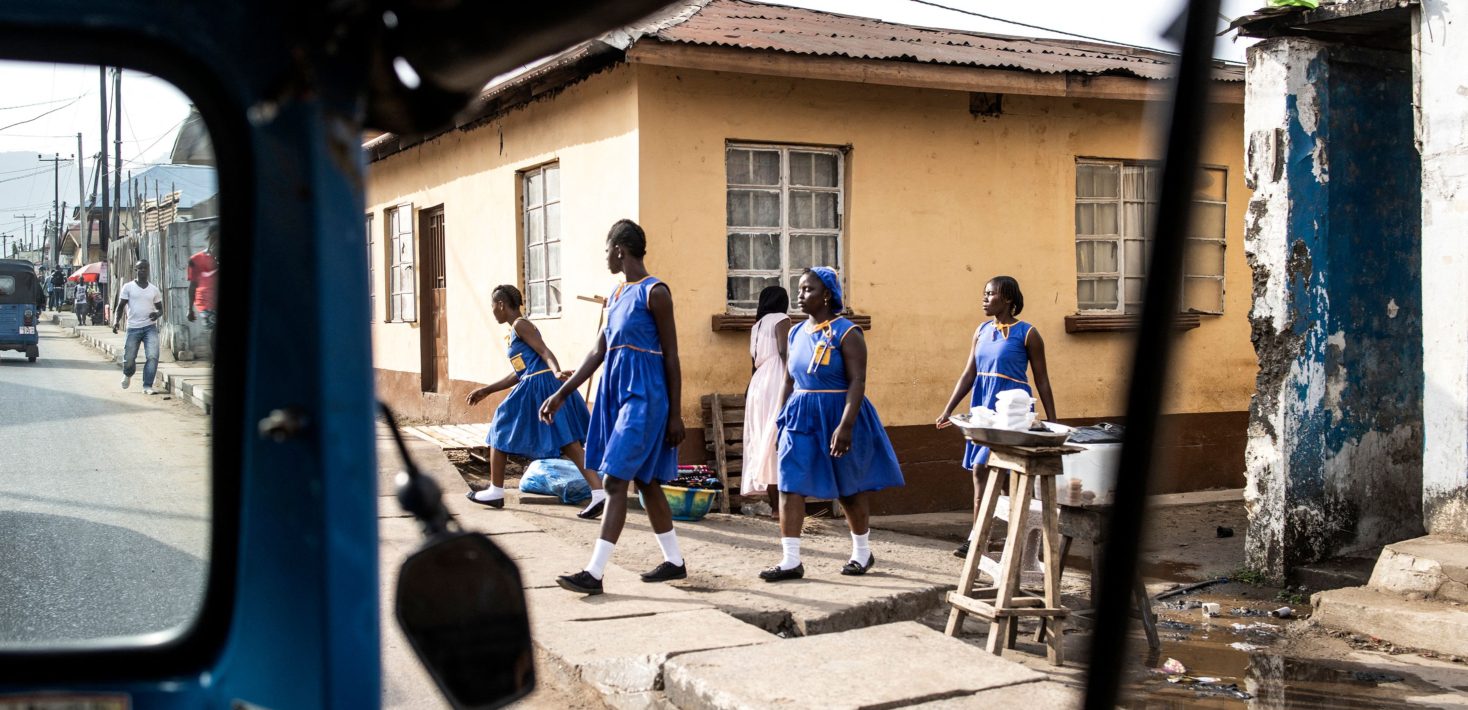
767 343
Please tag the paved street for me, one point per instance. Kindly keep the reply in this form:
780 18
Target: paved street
104 499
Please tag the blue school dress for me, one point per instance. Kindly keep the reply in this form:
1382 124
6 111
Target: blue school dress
629 421
517 428
1001 363
812 414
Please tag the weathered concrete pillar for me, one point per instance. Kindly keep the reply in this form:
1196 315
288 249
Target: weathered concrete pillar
1332 234
1443 123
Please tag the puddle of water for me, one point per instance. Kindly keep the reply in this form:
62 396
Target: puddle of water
1230 664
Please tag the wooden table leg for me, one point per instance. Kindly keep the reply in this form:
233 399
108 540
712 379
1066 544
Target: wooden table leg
983 524
1065 541
1050 537
1009 575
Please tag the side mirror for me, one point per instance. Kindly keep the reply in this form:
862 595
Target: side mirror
462 607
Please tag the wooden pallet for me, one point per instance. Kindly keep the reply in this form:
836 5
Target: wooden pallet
723 435
454 437
725 413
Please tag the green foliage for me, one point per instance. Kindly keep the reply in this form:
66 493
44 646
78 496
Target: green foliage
1247 576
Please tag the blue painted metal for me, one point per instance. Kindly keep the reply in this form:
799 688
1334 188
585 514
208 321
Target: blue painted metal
291 617
1355 247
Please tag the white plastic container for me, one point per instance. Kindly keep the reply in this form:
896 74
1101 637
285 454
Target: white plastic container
1090 475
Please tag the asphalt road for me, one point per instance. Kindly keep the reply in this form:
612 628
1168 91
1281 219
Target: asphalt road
104 500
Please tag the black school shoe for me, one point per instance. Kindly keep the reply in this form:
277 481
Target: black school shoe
962 551
666 572
852 569
594 511
496 503
582 582
775 574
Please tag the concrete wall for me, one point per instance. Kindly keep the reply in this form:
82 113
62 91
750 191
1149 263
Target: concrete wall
1334 458
591 129
1444 136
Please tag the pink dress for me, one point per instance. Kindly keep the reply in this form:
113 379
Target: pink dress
762 405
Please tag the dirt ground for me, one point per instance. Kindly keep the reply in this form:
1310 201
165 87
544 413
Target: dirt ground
1242 657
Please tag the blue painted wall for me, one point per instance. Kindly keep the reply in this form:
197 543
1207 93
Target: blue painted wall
1355 288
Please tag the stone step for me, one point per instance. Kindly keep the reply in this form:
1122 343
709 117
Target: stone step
886 666
1432 625
1432 566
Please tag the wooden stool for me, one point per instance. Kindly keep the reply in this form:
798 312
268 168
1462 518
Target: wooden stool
1002 603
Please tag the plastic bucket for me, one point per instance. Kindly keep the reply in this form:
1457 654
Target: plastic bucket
687 504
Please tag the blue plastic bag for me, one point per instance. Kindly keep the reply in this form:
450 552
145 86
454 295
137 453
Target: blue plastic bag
555 477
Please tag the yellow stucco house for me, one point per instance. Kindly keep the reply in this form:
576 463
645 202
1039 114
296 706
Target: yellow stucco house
754 140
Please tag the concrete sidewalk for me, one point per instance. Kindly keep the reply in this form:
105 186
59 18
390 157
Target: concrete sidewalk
657 645
191 381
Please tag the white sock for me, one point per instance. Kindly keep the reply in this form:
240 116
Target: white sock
601 554
860 553
493 492
790 546
597 496
669 542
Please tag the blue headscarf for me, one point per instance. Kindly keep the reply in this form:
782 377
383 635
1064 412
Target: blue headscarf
832 282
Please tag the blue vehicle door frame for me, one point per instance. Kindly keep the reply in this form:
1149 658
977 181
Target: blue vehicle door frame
290 618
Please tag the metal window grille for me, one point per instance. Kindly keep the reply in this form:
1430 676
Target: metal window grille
783 213
541 190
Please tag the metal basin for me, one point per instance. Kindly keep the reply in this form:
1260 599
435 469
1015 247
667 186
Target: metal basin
985 436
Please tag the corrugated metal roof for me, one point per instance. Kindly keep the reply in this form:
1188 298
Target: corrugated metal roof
748 25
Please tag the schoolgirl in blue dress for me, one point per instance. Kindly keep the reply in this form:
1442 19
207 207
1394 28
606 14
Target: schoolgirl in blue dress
516 428
831 442
637 419
1003 350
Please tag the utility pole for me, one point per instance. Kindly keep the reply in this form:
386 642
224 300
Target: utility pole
117 149
4 244
84 217
55 242
25 220
104 236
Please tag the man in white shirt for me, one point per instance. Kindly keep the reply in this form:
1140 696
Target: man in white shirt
143 303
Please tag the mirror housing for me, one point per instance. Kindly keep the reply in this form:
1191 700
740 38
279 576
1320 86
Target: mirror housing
462 606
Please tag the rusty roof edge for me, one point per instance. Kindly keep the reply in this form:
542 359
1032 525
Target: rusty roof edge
1265 24
1227 72
618 39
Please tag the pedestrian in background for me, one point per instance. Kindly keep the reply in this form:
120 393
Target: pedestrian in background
143 303
767 344
203 267
79 303
58 284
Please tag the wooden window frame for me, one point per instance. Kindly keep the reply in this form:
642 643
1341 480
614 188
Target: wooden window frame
401 263
371 268
785 272
532 212
1122 317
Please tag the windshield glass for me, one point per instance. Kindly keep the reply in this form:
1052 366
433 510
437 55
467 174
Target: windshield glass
105 481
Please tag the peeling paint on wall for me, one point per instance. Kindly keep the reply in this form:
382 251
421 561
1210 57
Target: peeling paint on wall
1335 437
1444 123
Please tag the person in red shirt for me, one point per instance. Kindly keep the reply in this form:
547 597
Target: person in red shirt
203 267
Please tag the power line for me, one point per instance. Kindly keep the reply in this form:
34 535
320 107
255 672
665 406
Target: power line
41 116
39 103
1040 27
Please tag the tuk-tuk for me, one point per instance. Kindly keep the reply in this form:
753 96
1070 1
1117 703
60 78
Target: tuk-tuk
18 314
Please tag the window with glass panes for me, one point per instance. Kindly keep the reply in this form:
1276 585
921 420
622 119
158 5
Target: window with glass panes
402 285
371 270
783 214
1115 201
542 219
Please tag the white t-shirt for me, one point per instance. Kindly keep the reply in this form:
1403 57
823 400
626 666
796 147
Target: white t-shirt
140 303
